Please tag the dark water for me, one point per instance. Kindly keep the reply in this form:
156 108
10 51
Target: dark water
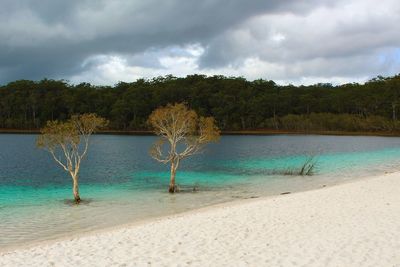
124 184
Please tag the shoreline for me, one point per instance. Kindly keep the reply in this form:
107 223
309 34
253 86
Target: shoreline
202 212
139 222
241 132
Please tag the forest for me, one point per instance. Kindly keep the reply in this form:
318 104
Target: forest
236 103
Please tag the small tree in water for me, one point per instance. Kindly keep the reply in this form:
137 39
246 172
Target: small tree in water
184 131
68 143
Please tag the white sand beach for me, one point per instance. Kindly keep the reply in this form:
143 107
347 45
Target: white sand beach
352 224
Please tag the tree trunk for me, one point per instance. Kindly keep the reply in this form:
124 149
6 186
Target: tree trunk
242 120
172 187
34 117
394 111
275 120
75 189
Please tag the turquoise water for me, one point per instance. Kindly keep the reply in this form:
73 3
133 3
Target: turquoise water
122 184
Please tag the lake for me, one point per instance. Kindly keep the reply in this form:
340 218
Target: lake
123 184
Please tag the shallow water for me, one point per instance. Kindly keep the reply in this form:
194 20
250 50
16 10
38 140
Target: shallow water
122 183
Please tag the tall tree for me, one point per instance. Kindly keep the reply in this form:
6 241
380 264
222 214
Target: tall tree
184 131
68 143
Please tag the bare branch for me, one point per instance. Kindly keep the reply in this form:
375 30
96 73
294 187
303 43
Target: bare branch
58 161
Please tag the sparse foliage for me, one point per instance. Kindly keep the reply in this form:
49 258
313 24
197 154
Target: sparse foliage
307 168
184 131
68 143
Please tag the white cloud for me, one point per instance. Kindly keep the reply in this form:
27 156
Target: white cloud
343 42
109 69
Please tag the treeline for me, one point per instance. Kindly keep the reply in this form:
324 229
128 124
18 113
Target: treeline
235 103
332 122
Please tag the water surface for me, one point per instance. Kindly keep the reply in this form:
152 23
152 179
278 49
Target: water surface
123 184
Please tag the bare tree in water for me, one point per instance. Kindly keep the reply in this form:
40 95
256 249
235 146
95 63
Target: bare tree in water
184 131
68 143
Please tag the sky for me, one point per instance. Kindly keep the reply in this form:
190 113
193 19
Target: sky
288 41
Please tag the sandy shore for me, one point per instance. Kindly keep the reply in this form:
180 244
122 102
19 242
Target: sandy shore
353 224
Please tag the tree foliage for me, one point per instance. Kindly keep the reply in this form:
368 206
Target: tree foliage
235 103
68 142
184 131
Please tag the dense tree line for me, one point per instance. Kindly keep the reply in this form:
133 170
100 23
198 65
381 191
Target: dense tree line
235 103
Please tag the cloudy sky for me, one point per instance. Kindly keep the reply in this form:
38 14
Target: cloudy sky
289 41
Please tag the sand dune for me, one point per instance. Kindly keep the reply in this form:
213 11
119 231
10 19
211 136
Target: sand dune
353 224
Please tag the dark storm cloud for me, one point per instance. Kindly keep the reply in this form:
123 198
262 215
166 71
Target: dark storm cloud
53 38
285 40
